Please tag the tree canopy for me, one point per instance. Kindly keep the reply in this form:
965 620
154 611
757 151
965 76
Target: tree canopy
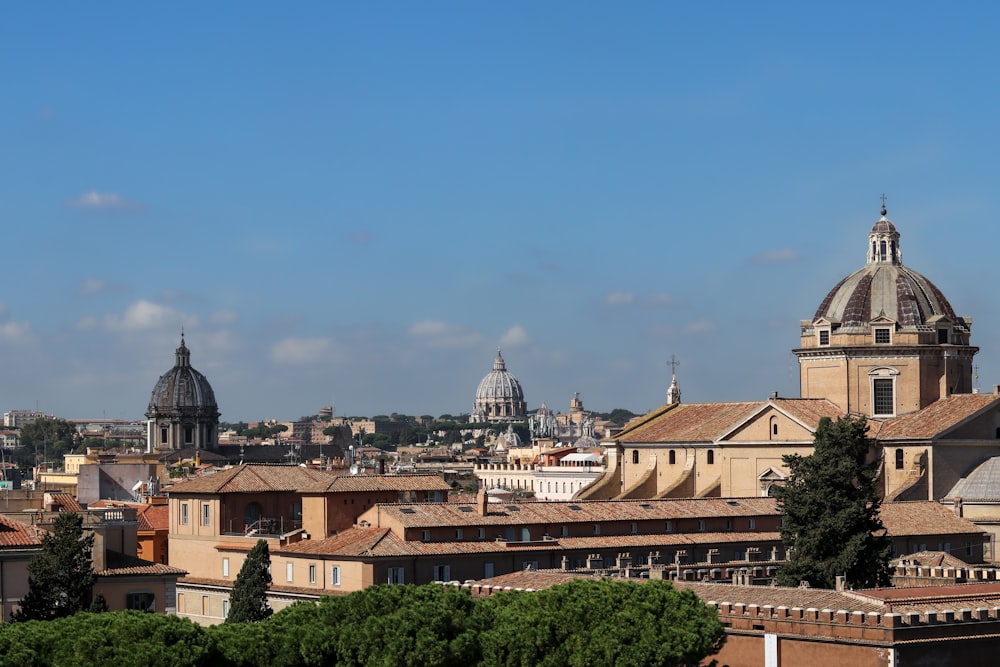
47 438
587 622
248 601
830 508
61 577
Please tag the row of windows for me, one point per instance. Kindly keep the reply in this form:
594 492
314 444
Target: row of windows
883 336
512 533
672 455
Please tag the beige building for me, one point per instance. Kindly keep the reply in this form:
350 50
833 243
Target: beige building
884 344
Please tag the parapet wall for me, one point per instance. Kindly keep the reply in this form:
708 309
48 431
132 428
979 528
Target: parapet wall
870 627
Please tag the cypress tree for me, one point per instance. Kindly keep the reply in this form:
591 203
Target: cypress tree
61 577
830 507
248 601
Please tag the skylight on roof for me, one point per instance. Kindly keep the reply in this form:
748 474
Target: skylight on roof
575 507
465 508
407 510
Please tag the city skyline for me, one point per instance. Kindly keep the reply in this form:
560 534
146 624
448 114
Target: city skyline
358 205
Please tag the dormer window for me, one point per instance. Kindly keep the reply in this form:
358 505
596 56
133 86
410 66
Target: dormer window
883 335
824 337
942 336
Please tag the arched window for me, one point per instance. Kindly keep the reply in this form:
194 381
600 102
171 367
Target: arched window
711 457
899 459
672 457
635 456
774 427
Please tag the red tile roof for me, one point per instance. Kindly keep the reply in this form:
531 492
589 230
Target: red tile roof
921 517
938 417
124 565
430 515
250 478
15 534
154 517
347 483
708 422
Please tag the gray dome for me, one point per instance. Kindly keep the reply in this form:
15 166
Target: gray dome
884 287
182 388
500 384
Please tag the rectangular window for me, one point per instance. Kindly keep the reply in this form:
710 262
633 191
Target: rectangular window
564 531
669 527
225 567
883 398
824 337
206 516
701 525
753 524
482 533
396 575
188 435
288 571
425 535
635 528
225 609
942 335
442 573
729 524
882 336
312 574
163 435
458 533
141 602
597 529
334 575
488 570
184 514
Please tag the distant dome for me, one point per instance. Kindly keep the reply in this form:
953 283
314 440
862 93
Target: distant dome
182 409
499 396
884 288
586 442
182 386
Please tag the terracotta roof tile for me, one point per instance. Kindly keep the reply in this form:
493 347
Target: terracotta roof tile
16 534
429 515
921 517
938 417
124 565
249 478
154 517
346 483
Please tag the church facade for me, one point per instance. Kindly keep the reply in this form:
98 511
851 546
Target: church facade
884 344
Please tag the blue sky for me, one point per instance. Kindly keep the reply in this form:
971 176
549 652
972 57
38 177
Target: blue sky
358 203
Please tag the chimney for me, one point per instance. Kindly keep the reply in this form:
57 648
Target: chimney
482 503
774 395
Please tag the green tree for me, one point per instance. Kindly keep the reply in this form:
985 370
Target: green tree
830 509
44 438
248 601
61 577
599 622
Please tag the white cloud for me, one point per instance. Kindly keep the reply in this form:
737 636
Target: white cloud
144 316
441 334
101 200
662 300
516 335
94 286
300 350
699 327
11 331
224 317
775 257
619 299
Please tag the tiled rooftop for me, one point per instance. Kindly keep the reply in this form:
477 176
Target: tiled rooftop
708 422
429 515
124 565
924 518
937 418
16 534
254 478
346 483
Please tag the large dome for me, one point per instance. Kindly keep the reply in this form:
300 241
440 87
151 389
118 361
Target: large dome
499 396
884 288
182 387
